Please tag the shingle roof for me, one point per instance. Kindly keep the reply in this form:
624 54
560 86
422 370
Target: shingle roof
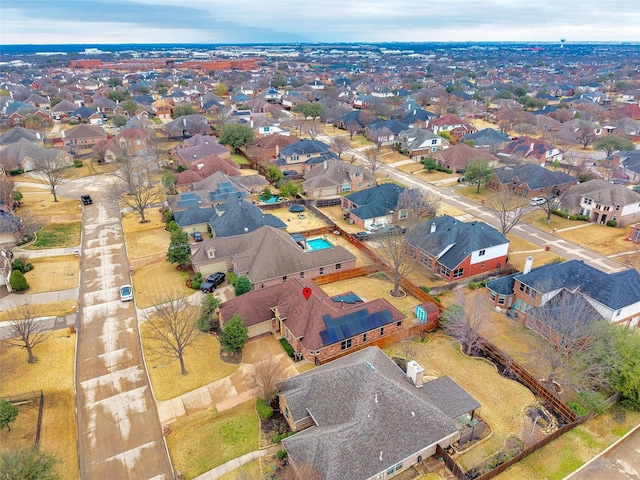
375 201
535 176
359 404
304 147
16 133
193 216
601 192
239 218
333 173
487 136
453 240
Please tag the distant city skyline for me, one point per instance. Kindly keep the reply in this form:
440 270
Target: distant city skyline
285 21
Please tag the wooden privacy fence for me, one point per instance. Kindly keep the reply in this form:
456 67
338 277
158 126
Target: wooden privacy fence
345 275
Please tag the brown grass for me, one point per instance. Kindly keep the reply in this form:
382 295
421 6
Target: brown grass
410 168
52 274
370 288
604 240
295 223
470 191
539 218
202 362
146 243
445 209
53 374
131 221
149 280
502 400
54 309
520 249
567 453
41 204
249 471
436 176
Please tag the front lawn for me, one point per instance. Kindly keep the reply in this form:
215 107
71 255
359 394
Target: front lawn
60 308
205 439
146 243
202 362
52 274
53 373
604 240
538 218
151 281
471 191
57 235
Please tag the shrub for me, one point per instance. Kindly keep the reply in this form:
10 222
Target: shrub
18 264
195 281
425 289
279 438
172 226
18 282
287 347
474 285
264 410
443 169
577 408
78 164
560 213
168 217
232 278
612 223
16 171
281 454
582 218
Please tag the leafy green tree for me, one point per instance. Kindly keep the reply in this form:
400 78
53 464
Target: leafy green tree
119 121
627 376
169 180
183 110
117 95
274 174
234 334
478 172
236 135
130 106
16 196
289 189
429 164
221 89
182 82
8 414
178 248
114 82
242 285
613 143
28 464
18 282
309 109
162 88
265 194
207 321
142 89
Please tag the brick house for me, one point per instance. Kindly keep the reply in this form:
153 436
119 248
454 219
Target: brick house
530 180
374 206
455 250
319 328
602 201
268 256
615 296
420 143
302 155
83 136
334 177
634 233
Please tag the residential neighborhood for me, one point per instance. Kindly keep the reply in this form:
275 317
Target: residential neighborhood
320 261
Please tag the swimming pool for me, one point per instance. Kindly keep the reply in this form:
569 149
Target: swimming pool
274 199
318 244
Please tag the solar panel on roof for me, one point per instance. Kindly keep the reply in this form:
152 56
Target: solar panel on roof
353 324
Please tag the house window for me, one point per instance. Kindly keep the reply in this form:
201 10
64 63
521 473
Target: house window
458 272
346 344
321 270
359 184
481 253
433 149
346 187
492 296
445 271
501 300
617 207
483 263
338 266
434 141
390 471
588 201
399 324
294 158
284 279
301 274
522 287
533 293
382 331
402 214
364 338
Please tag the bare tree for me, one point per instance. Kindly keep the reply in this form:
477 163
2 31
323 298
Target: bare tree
6 191
52 173
340 143
26 330
419 203
586 134
392 251
464 319
137 193
173 327
508 206
313 129
551 204
352 128
130 168
266 374
372 160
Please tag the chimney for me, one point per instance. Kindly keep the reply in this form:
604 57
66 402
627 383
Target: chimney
277 150
527 265
324 165
433 228
415 372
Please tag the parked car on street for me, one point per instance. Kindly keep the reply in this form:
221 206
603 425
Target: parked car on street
536 201
212 282
126 293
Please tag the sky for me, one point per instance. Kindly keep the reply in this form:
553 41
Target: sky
285 21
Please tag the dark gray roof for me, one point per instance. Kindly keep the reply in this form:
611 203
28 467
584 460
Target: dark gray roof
449 397
615 290
487 136
304 147
567 313
193 215
503 285
601 192
535 176
368 416
375 201
16 133
240 217
453 240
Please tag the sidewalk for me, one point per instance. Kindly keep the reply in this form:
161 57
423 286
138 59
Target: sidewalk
238 462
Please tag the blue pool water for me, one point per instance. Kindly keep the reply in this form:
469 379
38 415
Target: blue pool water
318 244
274 199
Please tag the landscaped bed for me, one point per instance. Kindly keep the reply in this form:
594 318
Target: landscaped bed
206 439
202 362
53 373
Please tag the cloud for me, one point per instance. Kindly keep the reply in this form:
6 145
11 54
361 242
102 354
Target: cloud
246 21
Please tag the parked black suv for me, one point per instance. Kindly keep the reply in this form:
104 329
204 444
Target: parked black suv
212 282
86 199
197 236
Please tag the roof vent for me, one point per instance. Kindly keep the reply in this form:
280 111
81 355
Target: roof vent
370 365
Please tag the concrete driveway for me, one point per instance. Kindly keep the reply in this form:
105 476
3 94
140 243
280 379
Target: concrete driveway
119 433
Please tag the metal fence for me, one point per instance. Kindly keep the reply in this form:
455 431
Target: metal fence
28 397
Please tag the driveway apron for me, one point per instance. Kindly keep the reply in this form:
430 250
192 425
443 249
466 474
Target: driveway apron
119 433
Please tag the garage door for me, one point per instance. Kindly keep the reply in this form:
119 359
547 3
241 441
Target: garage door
259 329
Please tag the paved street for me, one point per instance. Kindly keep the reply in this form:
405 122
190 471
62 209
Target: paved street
119 433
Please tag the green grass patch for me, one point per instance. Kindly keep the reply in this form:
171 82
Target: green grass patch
58 235
585 438
239 159
206 439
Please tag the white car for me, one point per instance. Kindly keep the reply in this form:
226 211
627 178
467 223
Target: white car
126 293
535 201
